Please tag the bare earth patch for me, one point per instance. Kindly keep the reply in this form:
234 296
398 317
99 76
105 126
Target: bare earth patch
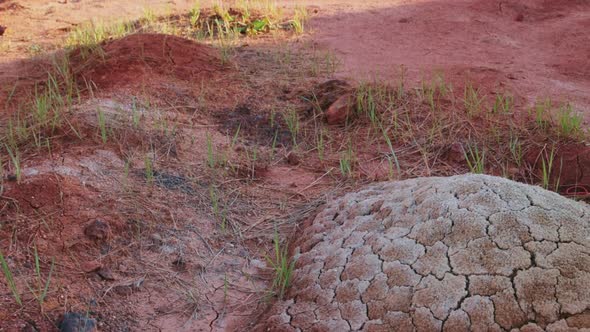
155 163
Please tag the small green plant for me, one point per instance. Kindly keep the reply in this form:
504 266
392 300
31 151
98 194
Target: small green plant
149 16
218 213
35 49
292 120
149 169
1 178
472 100
475 159
428 94
320 145
570 123
547 162
135 113
541 113
88 36
15 158
252 159
515 147
282 266
41 107
366 102
273 146
401 91
346 161
41 287
195 13
392 158
210 152
299 20
236 136
10 279
225 51
126 169
503 104
102 126
214 201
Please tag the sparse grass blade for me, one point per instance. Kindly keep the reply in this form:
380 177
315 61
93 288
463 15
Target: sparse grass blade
10 279
210 152
102 126
547 170
570 123
299 20
16 162
475 158
515 147
149 169
292 120
346 161
473 100
283 267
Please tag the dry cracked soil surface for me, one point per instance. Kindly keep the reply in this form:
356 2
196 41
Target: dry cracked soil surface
464 253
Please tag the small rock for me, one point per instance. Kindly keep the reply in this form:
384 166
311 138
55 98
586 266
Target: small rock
156 239
2 30
75 322
519 17
29 326
261 265
105 273
340 111
35 204
326 93
90 266
293 158
97 230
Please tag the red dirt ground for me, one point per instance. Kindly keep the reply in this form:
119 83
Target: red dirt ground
535 48
140 58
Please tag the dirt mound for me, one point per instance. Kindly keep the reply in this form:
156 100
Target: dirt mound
140 57
464 253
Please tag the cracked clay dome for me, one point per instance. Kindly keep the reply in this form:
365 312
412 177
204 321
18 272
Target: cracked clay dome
463 253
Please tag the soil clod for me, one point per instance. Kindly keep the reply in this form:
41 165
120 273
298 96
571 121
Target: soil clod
97 230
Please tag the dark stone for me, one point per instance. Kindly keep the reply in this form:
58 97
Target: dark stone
75 322
30 326
105 273
97 230
293 158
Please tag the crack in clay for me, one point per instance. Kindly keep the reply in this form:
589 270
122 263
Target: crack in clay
470 239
